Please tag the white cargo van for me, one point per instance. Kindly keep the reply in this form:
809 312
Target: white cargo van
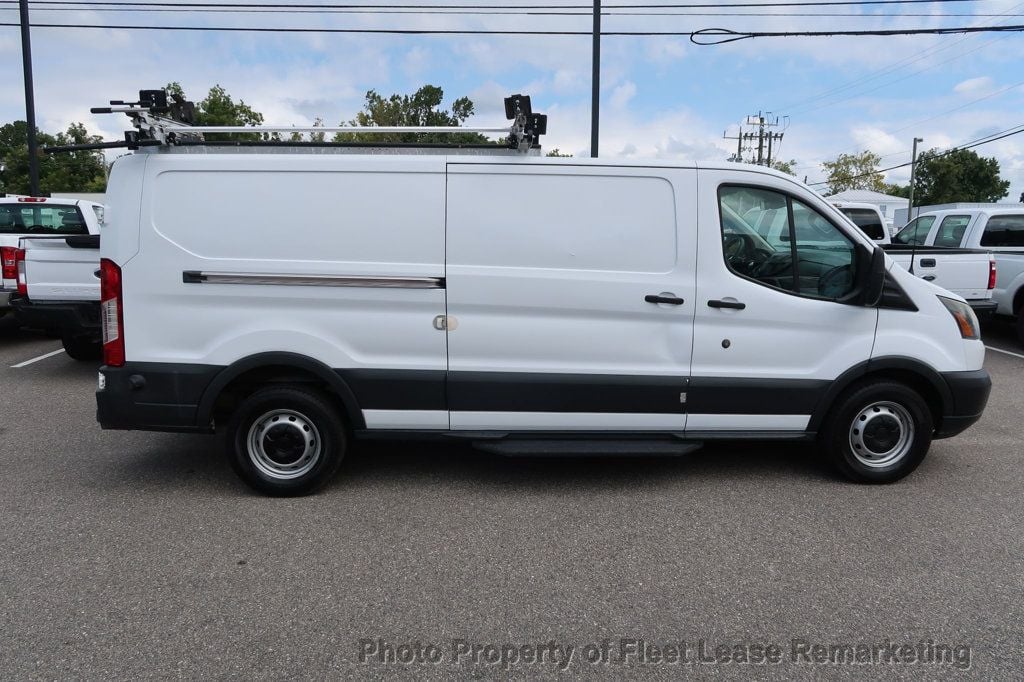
530 305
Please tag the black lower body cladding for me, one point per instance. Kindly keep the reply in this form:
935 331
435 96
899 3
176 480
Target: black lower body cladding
151 396
179 397
969 393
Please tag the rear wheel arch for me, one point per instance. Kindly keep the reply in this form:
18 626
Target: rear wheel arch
239 379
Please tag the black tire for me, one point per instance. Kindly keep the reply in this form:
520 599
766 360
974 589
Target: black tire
288 459
886 450
1020 325
82 348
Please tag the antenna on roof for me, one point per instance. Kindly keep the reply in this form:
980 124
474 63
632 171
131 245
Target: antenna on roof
162 121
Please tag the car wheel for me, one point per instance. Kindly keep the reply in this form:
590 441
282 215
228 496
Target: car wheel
82 348
878 432
1020 325
286 440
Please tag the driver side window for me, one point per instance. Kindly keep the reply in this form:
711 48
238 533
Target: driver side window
780 242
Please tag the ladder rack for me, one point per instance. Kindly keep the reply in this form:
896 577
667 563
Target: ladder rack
168 123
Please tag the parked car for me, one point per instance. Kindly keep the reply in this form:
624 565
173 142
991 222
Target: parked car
304 301
967 272
22 217
868 218
59 290
1000 230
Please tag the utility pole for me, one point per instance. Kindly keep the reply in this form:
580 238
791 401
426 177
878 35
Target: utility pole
760 133
30 100
913 171
595 80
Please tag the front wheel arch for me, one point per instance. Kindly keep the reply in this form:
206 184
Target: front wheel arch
918 376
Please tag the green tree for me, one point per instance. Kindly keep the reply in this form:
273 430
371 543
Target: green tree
896 190
220 109
788 167
959 175
854 171
81 171
555 151
422 108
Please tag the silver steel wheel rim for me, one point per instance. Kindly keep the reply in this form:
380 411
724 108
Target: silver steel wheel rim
881 434
283 444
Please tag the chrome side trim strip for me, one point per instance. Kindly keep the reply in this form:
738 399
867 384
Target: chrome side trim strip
198 277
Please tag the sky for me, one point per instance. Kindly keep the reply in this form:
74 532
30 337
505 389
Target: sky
661 97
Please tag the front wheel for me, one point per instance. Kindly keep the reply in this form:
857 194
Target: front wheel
879 432
286 440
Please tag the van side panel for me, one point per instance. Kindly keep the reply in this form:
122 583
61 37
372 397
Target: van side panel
120 228
339 258
548 271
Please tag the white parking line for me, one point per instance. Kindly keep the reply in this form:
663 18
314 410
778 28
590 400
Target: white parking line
41 357
1000 350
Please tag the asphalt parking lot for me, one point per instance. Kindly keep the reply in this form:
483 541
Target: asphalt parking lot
127 555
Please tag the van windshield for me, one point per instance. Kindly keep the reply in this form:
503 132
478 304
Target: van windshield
24 218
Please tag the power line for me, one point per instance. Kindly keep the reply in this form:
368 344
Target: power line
1016 130
892 67
813 3
897 80
501 12
707 36
721 36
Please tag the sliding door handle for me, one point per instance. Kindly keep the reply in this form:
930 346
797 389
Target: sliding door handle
734 305
664 298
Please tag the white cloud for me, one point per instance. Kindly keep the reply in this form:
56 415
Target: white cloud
974 86
622 94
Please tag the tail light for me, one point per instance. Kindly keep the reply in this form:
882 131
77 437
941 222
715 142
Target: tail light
8 263
991 273
111 313
19 264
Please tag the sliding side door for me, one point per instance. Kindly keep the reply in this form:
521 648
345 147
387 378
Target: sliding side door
570 296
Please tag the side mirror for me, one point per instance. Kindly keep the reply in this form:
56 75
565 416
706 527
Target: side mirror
870 277
875 283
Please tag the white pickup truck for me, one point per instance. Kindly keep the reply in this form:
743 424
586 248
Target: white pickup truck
967 272
868 218
57 261
999 230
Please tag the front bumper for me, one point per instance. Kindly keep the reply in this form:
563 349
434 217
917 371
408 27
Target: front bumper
968 396
73 318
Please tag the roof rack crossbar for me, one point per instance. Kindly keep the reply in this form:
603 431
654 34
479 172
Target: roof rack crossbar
160 120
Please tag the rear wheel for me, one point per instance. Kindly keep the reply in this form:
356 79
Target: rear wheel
878 432
286 440
82 348
1020 325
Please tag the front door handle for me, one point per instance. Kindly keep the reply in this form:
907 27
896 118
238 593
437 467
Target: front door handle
733 305
662 298
927 262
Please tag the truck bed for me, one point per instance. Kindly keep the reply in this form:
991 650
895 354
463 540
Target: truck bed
964 272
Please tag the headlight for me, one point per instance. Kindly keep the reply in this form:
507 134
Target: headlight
965 318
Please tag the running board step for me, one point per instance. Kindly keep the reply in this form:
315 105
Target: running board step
588 448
